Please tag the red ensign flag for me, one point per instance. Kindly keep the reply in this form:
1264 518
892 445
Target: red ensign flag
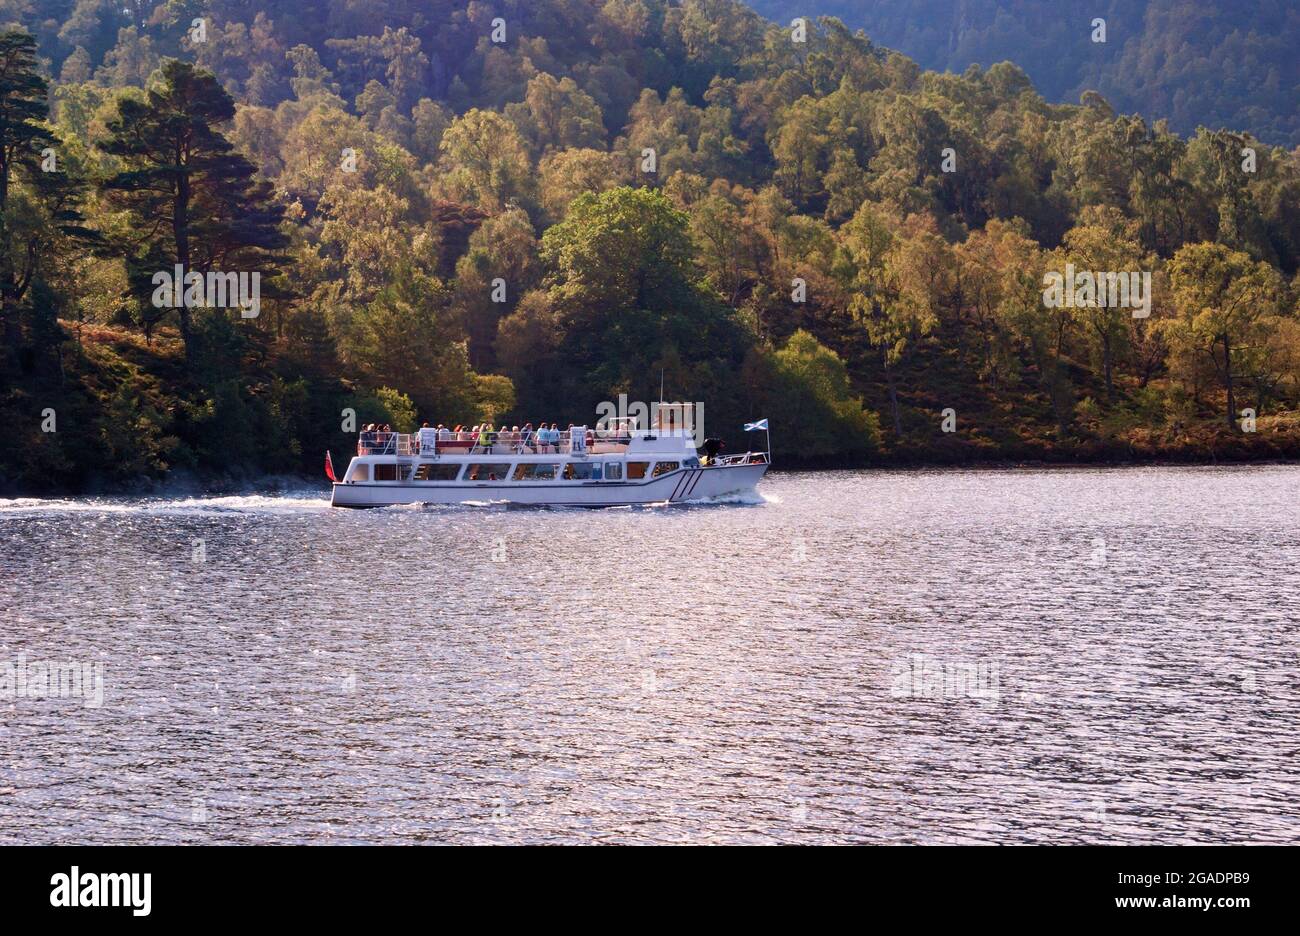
329 467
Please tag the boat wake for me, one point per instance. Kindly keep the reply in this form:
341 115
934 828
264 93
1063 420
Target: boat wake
742 499
288 503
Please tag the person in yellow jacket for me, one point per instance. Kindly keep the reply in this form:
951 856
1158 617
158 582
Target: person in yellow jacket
486 437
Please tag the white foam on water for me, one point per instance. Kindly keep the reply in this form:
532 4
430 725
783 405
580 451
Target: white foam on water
745 498
290 503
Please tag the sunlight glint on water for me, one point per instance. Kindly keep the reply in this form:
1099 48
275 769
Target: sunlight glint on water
1033 656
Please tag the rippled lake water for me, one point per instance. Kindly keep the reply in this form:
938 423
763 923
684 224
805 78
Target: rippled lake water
1063 656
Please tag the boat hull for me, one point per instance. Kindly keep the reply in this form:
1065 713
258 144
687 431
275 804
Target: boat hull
686 485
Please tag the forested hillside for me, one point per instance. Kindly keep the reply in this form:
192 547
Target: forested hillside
516 210
1195 64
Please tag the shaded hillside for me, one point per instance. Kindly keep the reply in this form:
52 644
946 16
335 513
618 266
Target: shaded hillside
1195 64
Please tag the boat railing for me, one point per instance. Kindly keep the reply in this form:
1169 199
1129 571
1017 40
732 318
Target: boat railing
384 443
743 458
430 442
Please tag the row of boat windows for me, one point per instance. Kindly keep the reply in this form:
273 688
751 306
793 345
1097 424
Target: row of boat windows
501 471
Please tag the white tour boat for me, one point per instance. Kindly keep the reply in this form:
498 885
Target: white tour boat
614 466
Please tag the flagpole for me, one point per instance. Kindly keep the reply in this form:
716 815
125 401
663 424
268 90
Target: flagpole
767 432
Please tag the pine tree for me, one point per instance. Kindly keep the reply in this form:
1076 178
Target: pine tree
195 201
26 147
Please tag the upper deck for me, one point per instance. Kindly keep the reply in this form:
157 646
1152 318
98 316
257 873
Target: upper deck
619 437
581 443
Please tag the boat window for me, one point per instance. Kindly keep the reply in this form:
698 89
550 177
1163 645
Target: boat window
613 471
440 472
582 471
664 468
527 472
360 473
488 472
636 470
385 472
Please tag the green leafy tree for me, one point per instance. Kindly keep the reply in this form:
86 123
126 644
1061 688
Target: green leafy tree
1225 303
620 271
622 249
557 114
566 174
805 389
499 267
485 161
1105 241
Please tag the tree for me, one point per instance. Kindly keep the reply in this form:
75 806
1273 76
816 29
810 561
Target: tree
566 174
726 243
1225 302
622 249
620 274
429 121
38 202
195 202
503 249
394 56
406 337
892 311
484 161
806 390
364 237
799 147
558 115
1105 241
999 288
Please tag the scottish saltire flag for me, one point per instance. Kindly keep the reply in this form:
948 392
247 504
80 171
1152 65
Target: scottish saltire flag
755 426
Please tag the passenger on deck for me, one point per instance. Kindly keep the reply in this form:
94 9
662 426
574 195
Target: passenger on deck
527 438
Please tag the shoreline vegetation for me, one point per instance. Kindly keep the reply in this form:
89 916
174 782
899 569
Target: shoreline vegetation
516 212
